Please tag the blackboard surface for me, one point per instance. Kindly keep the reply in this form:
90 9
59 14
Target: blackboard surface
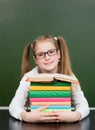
23 20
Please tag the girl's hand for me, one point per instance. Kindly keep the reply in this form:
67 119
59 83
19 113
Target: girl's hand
68 116
39 116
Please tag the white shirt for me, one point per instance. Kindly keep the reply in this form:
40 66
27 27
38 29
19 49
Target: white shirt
18 102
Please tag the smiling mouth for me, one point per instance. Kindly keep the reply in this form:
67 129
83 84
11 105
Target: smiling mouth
49 63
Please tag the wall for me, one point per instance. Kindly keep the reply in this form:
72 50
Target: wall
22 21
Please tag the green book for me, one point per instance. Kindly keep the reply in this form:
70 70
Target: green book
55 83
36 94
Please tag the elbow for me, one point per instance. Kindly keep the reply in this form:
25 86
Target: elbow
85 113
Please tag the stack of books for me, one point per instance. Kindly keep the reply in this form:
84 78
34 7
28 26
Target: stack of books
53 90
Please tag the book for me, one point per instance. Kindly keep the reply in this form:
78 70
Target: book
53 90
51 77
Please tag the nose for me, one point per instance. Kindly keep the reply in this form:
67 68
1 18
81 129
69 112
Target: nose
46 56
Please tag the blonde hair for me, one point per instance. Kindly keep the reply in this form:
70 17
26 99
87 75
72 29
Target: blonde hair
64 65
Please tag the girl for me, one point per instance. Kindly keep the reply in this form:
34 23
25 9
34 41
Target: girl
51 56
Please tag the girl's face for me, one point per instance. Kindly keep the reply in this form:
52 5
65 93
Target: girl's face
47 57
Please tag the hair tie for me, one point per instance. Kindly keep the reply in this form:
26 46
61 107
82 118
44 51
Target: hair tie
55 38
32 45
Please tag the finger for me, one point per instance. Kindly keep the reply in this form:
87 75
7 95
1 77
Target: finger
42 108
49 114
51 119
57 111
53 113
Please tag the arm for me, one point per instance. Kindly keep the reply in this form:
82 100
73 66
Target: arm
39 116
68 116
17 104
17 110
80 101
81 107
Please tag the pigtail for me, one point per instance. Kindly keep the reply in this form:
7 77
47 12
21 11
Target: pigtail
25 67
64 64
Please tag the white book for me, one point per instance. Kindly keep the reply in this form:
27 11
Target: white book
46 77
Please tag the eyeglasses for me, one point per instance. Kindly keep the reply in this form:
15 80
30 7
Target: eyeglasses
41 55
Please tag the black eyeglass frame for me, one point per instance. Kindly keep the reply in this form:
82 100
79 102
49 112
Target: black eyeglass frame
41 55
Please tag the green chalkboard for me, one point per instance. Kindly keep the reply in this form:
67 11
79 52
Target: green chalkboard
23 20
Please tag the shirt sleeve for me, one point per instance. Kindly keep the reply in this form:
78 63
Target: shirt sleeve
79 101
17 104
